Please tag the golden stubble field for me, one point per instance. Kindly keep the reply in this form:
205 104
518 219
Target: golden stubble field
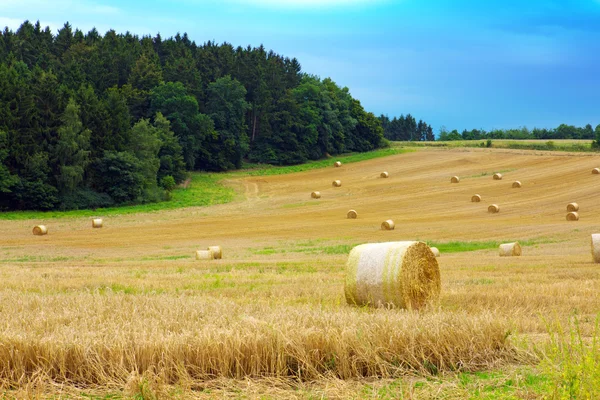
114 309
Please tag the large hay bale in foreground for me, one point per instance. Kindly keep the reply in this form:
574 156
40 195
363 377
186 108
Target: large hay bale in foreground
40 230
510 249
435 251
475 198
315 195
217 252
573 216
493 208
401 274
596 247
337 164
336 183
352 214
388 225
516 184
204 255
96 222
572 207
497 176
384 174
596 171
454 179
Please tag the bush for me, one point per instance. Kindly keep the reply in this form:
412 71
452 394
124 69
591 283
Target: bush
85 198
168 183
488 143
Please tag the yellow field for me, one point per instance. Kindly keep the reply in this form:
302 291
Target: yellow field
126 309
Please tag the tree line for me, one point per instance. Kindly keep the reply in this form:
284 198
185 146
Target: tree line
90 120
563 131
406 128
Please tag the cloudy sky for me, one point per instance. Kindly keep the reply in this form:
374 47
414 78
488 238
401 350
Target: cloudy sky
458 63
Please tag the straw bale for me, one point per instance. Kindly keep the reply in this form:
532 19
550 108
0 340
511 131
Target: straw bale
573 216
572 207
493 208
497 176
388 225
476 198
454 179
40 230
596 171
352 214
516 184
435 251
384 174
596 247
315 195
510 249
217 252
204 255
400 274
337 164
336 183
96 222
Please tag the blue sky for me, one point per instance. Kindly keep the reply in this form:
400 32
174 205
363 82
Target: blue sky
458 63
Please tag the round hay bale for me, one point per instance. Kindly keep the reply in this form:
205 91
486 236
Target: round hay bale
435 251
596 247
336 183
315 195
40 230
204 255
388 225
476 198
217 252
572 207
516 184
596 171
573 216
96 222
384 174
337 164
497 176
401 274
454 179
493 208
352 214
510 249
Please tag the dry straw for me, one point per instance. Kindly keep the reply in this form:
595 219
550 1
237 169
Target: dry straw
352 214
337 164
454 179
596 247
476 198
388 225
40 230
510 249
596 171
217 252
384 174
435 251
497 176
573 216
336 183
572 207
493 208
204 255
315 195
96 222
401 274
516 184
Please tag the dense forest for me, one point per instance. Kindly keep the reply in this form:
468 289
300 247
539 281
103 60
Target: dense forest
563 131
406 128
88 120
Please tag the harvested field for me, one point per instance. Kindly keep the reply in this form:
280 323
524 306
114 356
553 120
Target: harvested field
110 310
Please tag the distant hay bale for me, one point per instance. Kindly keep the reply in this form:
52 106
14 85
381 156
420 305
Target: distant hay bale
573 216
476 198
337 164
384 174
204 255
516 184
596 247
315 195
454 179
435 251
493 208
510 249
400 274
572 207
40 230
96 222
352 214
497 176
336 183
596 171
388 225
217 252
